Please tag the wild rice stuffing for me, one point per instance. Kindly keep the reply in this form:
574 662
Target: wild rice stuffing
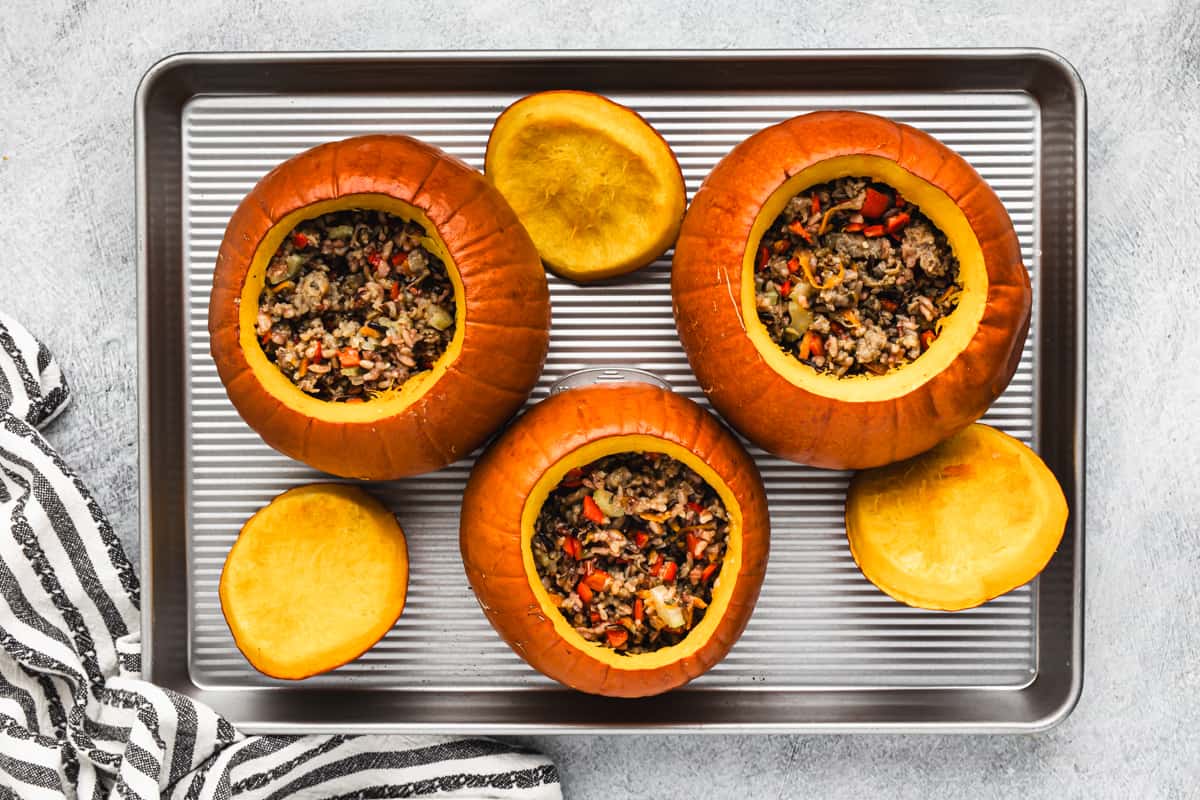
353 305
852 278
629 548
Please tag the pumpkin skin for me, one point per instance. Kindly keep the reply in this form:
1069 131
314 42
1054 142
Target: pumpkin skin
785 406
502 310
510 483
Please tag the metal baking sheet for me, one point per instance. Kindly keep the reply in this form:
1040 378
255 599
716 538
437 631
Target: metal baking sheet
824 649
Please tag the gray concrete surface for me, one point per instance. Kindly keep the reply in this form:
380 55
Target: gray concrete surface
68 70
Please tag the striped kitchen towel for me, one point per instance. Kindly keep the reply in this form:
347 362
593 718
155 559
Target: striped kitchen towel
75 718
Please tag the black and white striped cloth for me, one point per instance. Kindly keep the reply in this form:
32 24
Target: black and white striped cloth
75 718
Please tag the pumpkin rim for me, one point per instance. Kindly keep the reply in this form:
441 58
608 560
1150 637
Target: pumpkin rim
723 591
651 146
268 375
959 325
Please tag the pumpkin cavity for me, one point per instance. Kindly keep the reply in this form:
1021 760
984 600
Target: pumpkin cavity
354 305
852 278
629 547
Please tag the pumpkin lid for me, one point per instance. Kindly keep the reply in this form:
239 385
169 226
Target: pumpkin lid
314 579
973 518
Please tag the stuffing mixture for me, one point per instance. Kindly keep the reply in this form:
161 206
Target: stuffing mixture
851 278
354 305
629 548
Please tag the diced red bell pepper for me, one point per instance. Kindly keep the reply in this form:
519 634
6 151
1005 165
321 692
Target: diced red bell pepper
594 616
317 355
785 288
617 637
639 610
398 258
592 511
640 538
874 231
875 204
793 265
897 222
764 255
573 478
585 592
669 572
816 203
708 573
300 241
597 580
572 547
374 259
348 357
694 506
927 338
696 545
853 227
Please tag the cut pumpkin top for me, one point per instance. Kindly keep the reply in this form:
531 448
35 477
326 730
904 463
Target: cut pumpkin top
598 189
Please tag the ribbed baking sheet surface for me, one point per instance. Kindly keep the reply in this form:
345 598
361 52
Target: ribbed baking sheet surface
818 623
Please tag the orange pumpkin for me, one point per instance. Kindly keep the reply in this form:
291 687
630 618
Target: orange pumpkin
515 476
786 406
502 310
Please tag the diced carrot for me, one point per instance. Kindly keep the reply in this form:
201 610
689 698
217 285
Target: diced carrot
617 637
585 592
797 227
597 580
640 538
708 573
812 345
874 231
669 572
